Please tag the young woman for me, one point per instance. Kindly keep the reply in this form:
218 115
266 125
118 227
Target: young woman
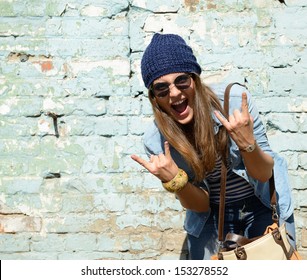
190 138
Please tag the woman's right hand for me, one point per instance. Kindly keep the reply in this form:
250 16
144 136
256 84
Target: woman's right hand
164 168
162 165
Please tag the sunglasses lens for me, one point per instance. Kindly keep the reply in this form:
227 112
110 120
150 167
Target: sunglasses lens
182 82
161 89
163 93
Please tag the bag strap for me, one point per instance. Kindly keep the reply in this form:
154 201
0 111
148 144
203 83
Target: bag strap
224 179
222 203
273 199
223 173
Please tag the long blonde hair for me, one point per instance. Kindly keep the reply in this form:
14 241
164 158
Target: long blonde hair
201 148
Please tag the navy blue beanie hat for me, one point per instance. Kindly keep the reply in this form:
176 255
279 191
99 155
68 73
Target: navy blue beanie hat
167 53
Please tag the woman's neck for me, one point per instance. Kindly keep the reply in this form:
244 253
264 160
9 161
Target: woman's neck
188 130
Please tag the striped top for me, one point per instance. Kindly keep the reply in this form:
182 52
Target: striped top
237 187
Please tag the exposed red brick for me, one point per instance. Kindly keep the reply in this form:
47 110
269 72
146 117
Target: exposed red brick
46 66
191 4
211 5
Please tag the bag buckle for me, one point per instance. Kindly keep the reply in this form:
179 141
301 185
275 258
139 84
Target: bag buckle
275 216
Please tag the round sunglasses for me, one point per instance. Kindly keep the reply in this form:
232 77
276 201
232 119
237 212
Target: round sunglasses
161 90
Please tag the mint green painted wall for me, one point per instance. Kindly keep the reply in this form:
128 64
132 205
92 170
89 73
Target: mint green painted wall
72 191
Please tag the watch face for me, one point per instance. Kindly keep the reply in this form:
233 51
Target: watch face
250 148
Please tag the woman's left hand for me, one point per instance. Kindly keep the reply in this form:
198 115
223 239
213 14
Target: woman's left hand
162 166
240 125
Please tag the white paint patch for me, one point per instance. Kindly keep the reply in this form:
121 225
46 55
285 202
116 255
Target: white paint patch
49 104
140 3
43 126
93 11
118 66
4 109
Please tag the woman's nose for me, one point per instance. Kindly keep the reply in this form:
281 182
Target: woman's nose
174 91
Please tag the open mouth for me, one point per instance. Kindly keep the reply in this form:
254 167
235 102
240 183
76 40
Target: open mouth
180 106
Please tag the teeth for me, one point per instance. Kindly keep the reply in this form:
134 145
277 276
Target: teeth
178 102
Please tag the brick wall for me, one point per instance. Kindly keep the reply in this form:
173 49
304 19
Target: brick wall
73 109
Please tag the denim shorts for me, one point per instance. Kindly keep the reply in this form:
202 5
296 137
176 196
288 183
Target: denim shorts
248 217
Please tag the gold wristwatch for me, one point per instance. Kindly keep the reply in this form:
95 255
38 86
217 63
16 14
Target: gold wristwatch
250 148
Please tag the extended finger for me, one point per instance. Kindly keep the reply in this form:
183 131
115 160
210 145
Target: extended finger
244 105
141 161
222 119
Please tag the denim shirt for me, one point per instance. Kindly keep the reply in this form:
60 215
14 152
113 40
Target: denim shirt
195 221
